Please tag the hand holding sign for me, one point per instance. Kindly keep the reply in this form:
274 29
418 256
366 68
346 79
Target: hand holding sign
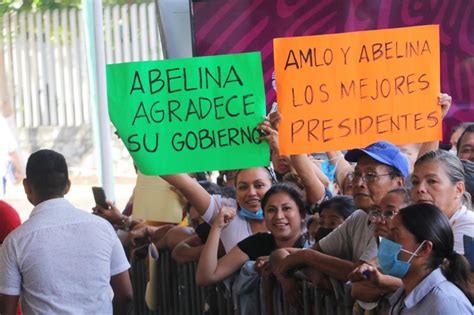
269 134
444 100
190 115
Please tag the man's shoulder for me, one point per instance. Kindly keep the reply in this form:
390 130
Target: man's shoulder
81 216
69 214
60 220
358 226
358 216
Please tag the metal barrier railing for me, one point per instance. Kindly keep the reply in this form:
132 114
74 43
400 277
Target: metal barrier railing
179 294
139 278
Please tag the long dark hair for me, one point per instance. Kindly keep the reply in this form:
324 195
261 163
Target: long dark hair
427 222
291 190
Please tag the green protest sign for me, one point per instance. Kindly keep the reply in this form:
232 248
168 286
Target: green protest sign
189 115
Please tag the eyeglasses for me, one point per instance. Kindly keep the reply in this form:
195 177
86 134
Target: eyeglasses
368 178
375 215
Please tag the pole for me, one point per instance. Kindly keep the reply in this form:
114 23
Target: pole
92 11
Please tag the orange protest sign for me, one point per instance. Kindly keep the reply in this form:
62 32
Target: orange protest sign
348 90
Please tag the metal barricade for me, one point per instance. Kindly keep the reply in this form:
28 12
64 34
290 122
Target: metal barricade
179 294
314 301
139 279
168 296
191 297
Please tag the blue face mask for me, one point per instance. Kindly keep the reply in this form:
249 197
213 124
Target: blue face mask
247 214
388 258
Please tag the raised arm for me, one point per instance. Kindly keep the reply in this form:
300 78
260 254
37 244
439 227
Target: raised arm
210 270
319 173
305 169
444 100
342 166
270 134
191 190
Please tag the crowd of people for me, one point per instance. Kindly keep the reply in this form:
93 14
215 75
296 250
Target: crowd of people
394 221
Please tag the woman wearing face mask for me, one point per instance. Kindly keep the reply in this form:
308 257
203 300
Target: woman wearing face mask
250 184
283 206
369 286
438 179
332 213
390 204
436 280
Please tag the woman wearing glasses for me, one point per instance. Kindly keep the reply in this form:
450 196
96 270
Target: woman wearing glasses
390 204
369 284
438 179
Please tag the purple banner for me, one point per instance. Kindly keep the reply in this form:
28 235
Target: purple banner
233 26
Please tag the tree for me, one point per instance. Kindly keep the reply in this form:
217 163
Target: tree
7 6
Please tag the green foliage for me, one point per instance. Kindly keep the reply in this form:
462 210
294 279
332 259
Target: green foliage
8 6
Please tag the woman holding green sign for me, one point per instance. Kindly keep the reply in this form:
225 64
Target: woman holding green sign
251 185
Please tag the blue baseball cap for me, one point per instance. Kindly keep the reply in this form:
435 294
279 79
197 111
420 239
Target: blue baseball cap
383 152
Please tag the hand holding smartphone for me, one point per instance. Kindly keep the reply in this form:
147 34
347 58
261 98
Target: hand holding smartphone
99 197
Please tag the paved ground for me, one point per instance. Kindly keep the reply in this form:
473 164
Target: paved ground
80 195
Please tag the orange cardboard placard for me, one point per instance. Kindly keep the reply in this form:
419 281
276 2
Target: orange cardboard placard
348 90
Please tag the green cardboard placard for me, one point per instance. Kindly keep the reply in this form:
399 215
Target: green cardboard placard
190 115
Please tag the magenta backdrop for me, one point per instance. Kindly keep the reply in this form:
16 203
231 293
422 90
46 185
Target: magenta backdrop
232 26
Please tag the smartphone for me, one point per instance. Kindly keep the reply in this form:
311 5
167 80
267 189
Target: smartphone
99 197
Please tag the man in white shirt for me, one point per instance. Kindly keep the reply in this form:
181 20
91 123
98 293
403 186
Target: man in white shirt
62 260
